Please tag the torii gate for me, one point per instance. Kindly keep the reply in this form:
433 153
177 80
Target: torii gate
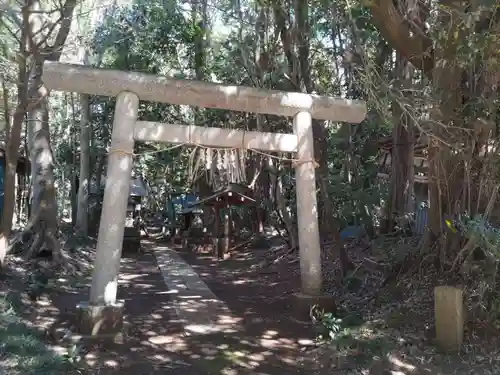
131 87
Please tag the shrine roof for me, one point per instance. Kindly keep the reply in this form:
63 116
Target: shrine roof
232 194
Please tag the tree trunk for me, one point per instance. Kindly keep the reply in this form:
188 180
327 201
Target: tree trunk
326 212
261 182
83 191
43 221
14 141
200 19
402 164
443 196
98 172
44 198
73 170
442 64
281 205
44 205
6 109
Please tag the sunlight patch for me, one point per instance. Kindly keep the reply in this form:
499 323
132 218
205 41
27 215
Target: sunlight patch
131 276
111 363
160 340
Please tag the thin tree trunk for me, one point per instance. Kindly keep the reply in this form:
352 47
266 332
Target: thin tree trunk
73 171
447 75
262 181
402 164
14 141
281 205
200 18
83 191
85 175
6 110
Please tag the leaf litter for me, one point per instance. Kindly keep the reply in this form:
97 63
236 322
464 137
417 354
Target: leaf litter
395 333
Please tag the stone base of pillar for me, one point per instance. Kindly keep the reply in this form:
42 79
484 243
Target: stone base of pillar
101 322
302 304
219 246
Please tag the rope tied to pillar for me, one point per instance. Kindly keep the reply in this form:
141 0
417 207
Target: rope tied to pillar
129 153
190 136
298 162
121 151
242 147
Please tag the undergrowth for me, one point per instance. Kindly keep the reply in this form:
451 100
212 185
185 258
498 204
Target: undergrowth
348 331
23 351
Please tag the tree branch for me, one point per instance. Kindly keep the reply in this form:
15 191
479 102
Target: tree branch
54 52
415 47
12 14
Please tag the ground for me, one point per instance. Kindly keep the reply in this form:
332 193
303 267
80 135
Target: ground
382 329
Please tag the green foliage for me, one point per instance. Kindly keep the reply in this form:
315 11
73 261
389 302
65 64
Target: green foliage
149 37
353 174
335 329
163 37
350 336
328 326
23 351
484 235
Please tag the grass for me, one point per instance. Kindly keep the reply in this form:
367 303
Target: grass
23 351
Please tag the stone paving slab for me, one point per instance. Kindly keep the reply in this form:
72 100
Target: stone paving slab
197 307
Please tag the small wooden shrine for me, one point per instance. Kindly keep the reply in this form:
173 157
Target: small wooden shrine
232 195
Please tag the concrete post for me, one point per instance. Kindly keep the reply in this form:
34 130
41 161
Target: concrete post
116 193
450 315
307 206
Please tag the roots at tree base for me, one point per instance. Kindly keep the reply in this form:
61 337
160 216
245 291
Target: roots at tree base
40 236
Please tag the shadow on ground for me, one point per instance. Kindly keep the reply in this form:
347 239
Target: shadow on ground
269 343
268 340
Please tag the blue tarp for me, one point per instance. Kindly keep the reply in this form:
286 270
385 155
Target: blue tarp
181 203
352 232
184 201
421 219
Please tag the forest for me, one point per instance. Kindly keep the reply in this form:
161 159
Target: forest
407 199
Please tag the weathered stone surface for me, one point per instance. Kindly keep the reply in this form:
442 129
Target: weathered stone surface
220 247
450 317
101 320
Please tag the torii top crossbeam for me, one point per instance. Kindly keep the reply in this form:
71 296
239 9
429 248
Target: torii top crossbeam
106 82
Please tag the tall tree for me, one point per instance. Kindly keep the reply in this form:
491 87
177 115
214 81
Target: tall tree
86 25
42 38
457 77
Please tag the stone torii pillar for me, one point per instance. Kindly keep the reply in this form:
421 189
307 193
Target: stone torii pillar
103 313
116 193
307 213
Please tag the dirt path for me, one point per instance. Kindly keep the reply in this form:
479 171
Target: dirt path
269 342
152 333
